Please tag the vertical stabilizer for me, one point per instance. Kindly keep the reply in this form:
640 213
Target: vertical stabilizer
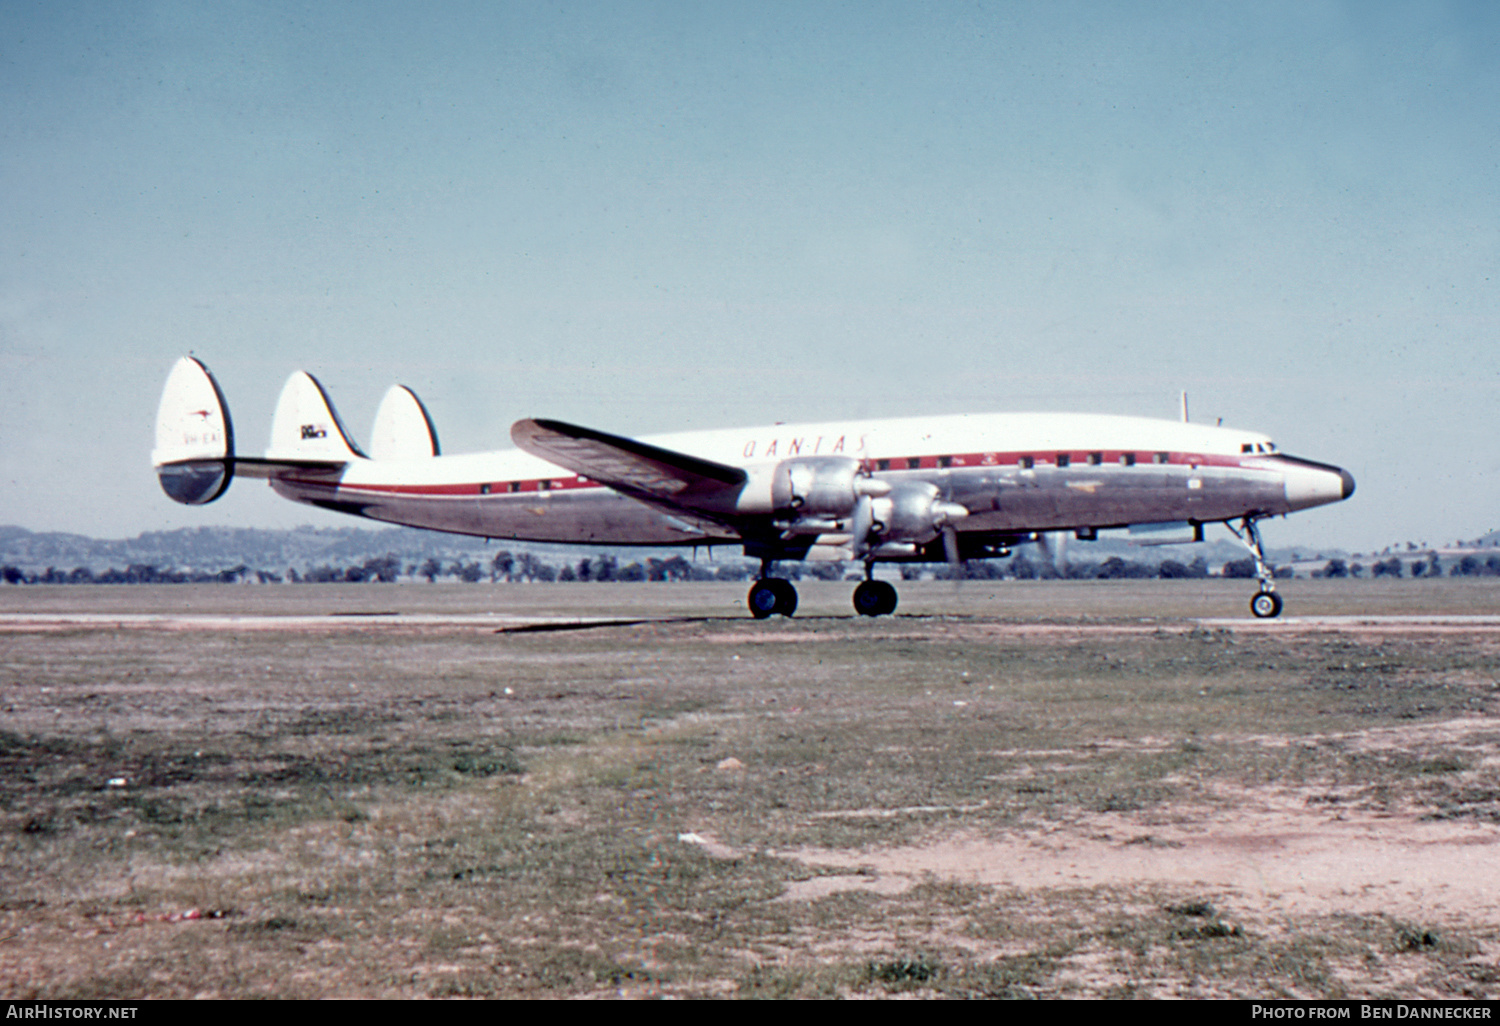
306 426
194 454
403 429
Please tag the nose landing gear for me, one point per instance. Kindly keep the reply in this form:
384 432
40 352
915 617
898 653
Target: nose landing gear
1266 604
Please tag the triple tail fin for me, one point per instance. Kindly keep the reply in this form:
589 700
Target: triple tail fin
194 454
403 428
306 427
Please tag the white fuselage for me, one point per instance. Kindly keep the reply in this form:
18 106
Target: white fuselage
1015 473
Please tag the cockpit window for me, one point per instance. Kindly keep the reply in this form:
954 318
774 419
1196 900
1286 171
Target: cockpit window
1247 447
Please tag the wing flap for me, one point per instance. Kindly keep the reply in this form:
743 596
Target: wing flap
647 472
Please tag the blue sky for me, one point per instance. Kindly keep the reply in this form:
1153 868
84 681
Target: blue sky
657 216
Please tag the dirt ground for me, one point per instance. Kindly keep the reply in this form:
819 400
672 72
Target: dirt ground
403 791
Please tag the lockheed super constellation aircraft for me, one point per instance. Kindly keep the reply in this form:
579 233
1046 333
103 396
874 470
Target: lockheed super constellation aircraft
913 489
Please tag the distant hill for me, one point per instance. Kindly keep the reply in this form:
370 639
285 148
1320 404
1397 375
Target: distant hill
213 548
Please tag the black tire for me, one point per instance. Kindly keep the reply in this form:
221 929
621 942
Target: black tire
771 595
874 598
763 599
1266 605
786 596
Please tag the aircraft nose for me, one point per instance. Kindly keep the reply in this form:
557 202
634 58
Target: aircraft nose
1311 484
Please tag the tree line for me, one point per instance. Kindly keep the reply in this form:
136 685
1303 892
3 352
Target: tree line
1427 566
526 567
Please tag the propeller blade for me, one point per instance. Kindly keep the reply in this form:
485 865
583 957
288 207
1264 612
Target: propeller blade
950 546
1054 545
861 524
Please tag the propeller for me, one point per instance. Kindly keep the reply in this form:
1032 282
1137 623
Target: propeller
945 516
862 526
1054 546
950 549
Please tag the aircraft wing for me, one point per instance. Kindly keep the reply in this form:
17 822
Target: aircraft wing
661 477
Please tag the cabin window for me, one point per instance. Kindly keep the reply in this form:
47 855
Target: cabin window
515 486
1063 459
1127 459
914 463
1096 458
882 464
1162 457
1026 462
945 461
544 485
484 489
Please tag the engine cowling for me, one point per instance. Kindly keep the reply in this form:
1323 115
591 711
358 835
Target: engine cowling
818 486
835 495
818 494
912 512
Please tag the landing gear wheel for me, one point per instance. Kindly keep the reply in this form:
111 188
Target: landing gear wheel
771 595
1266 604
786 596
761 600
874 598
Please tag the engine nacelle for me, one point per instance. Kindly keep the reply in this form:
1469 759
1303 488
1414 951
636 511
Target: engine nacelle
911 512
815 490
816 486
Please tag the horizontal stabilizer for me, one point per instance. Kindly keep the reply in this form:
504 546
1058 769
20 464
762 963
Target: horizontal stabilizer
634 468
194 454
306 427
403 429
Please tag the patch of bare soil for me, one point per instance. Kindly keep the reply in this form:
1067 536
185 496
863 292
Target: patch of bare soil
1277 852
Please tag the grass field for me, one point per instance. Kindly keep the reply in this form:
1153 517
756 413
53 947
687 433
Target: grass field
1009 790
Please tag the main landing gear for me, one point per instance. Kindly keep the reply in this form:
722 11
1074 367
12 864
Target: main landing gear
872 597
1266 604
770 596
